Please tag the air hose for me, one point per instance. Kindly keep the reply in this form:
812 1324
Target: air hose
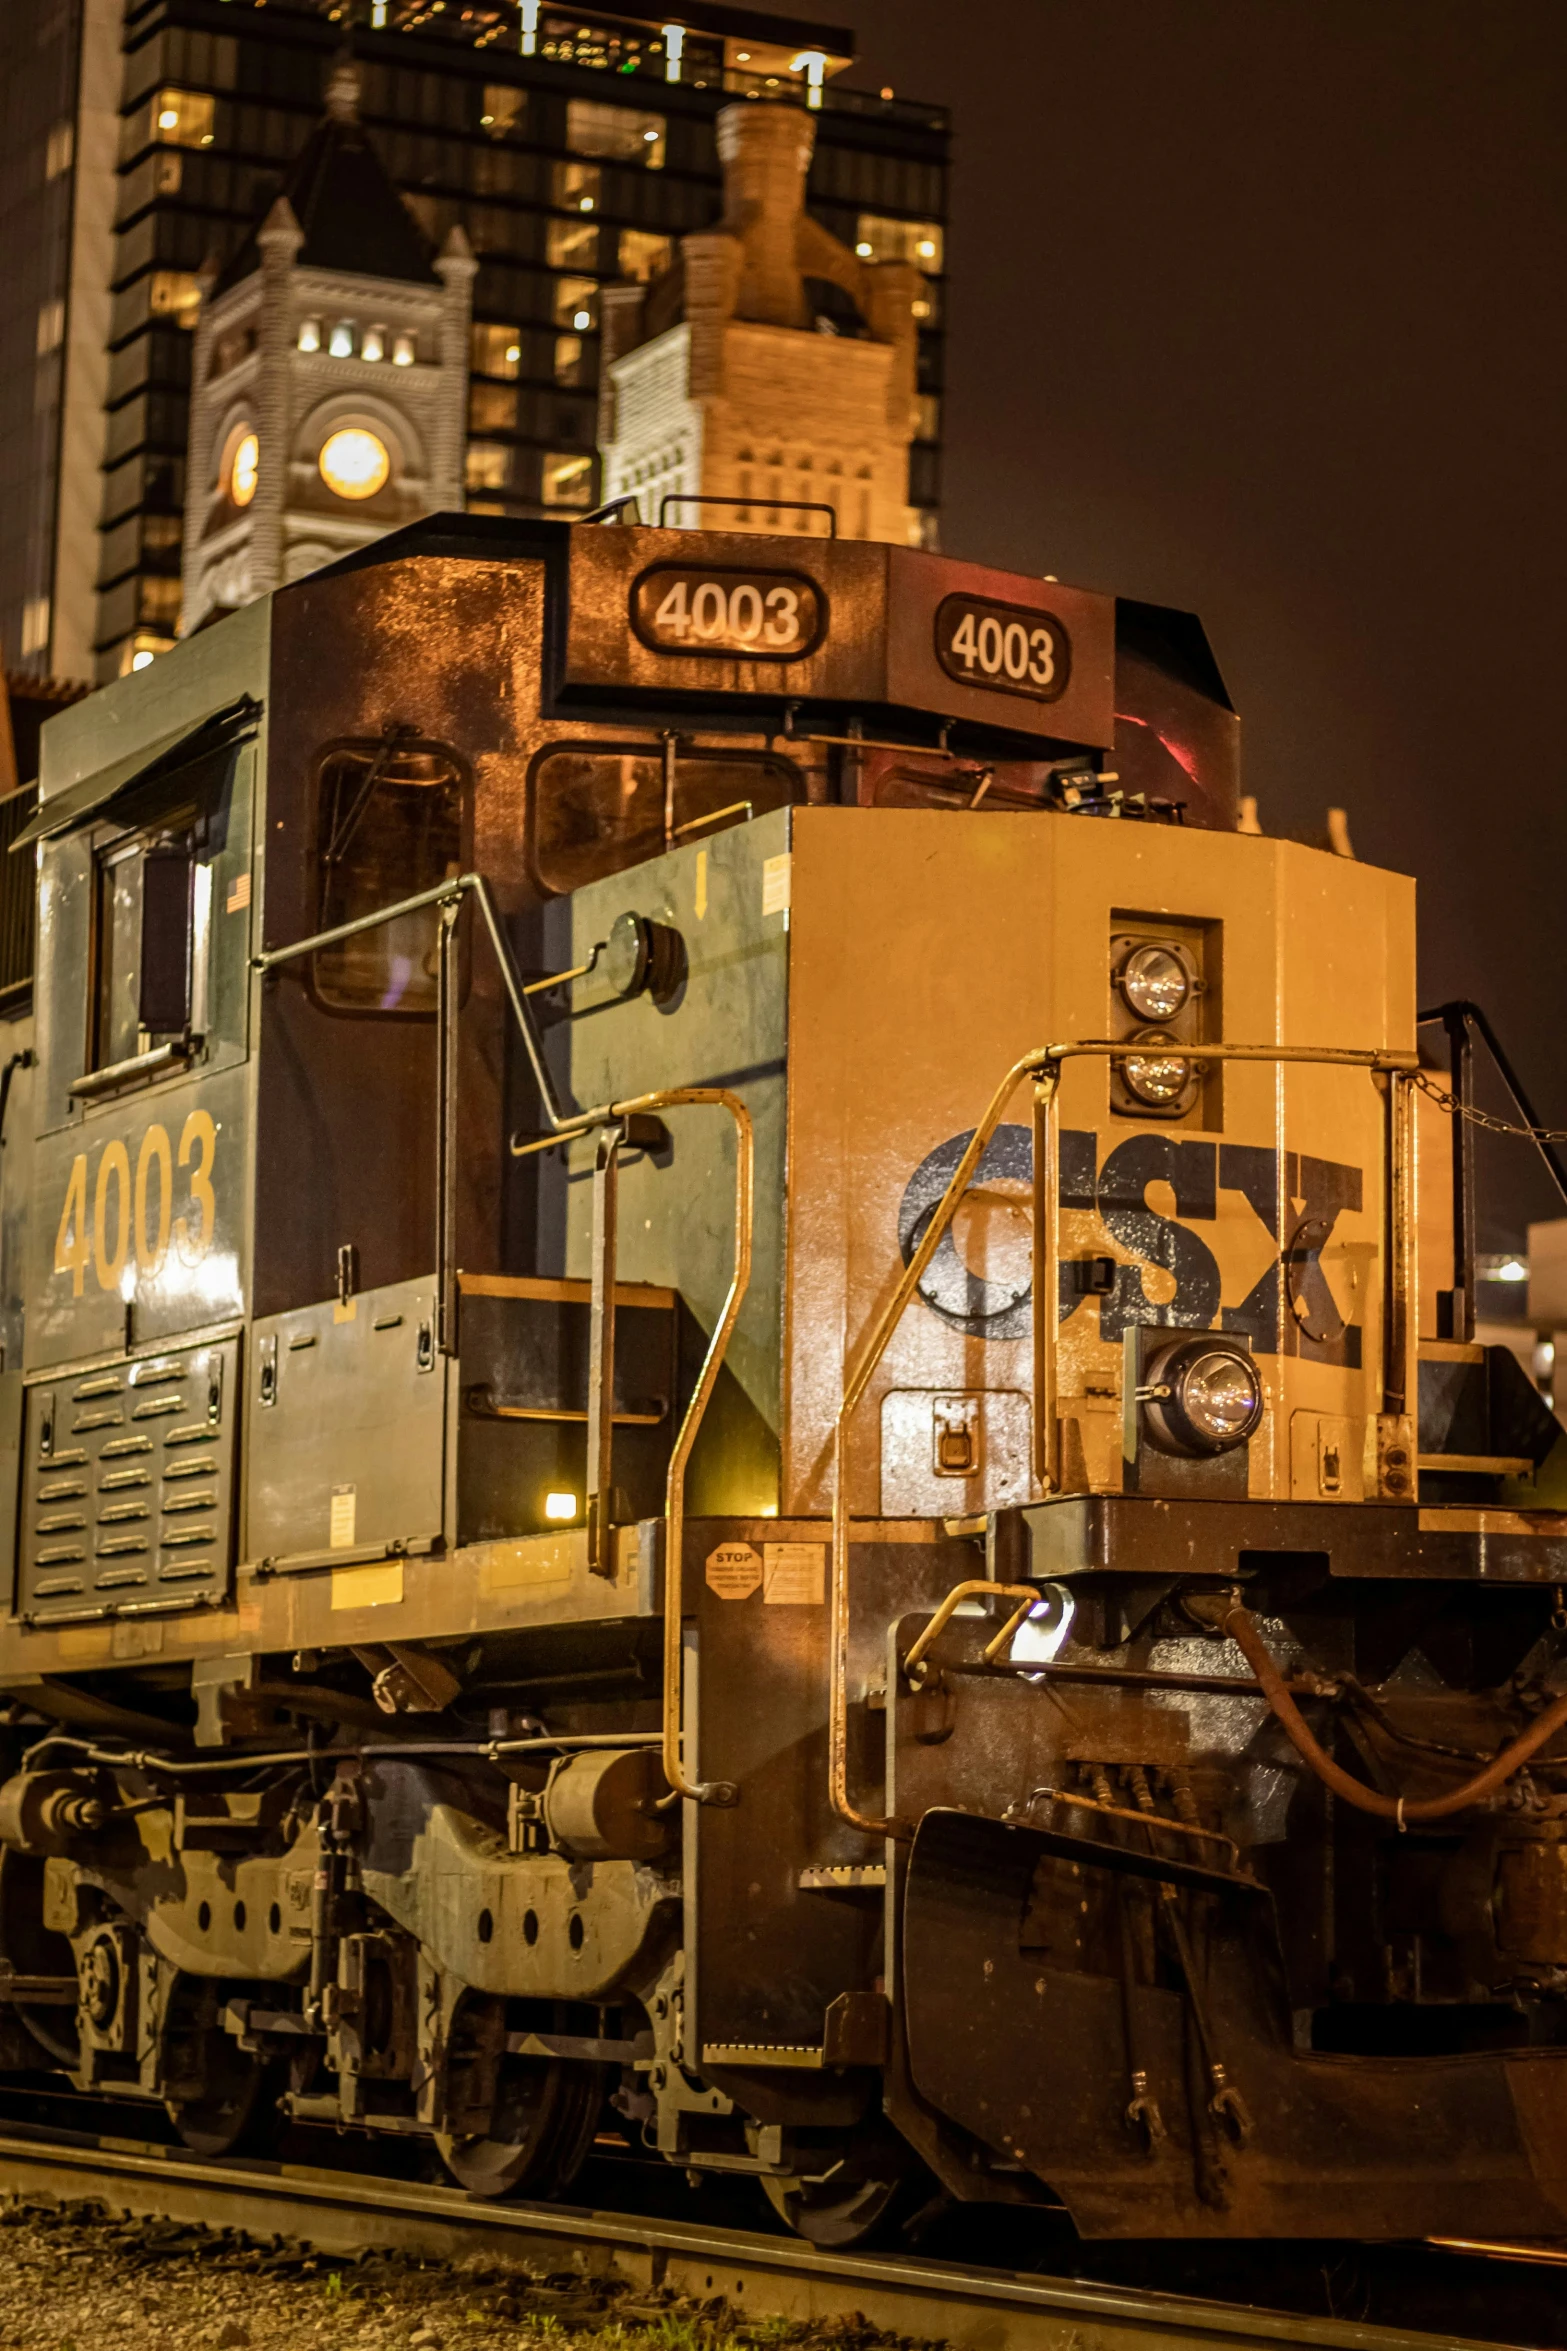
1243 1632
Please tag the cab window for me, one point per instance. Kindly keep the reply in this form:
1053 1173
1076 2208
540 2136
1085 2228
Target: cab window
153 903
597 809
389 824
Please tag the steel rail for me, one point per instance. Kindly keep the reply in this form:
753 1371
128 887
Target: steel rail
970 2309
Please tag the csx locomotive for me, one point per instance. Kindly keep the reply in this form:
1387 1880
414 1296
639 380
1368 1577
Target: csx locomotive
733 1418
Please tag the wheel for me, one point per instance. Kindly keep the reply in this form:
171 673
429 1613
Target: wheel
213 2088
862 2198
538 2113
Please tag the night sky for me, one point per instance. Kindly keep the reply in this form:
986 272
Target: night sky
1256 307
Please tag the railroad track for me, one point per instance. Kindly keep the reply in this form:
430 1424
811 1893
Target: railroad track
346 2214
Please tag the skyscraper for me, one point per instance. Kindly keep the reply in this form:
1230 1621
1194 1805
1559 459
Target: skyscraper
570 145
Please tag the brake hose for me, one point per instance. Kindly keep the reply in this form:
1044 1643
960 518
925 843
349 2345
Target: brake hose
1403 1809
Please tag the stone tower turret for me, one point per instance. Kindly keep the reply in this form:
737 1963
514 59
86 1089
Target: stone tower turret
329 376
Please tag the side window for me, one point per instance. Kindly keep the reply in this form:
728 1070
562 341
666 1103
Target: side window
389 824
596 809
152 918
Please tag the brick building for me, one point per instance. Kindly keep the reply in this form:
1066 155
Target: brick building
768 368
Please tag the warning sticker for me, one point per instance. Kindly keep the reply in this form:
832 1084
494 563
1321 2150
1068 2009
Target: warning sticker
734 1571
775 884
794 1575
344 1510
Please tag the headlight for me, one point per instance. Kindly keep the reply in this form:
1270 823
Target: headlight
1157 1073
1202 1395
1155 982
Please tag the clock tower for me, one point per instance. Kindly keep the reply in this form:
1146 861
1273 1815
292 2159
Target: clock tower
329 376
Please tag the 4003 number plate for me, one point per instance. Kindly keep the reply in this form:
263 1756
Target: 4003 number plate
1007 647
736 615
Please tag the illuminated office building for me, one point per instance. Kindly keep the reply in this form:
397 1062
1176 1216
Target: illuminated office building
572 147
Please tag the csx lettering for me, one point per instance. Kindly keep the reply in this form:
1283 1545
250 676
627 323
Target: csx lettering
108 1213
1298 1199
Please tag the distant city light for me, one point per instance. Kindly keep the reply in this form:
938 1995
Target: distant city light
582 318
1506 1267
674 50
141 660
556 1506
169 119
863 250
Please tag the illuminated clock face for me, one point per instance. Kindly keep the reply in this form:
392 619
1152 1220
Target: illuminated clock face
244 469
354 463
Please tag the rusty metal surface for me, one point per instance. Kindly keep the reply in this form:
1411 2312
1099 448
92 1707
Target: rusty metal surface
973 2310
1029 2046
874 646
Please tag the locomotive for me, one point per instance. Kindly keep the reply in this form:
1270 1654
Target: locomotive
741 1410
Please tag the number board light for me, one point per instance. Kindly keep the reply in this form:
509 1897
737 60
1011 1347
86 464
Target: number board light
1009 648
733 615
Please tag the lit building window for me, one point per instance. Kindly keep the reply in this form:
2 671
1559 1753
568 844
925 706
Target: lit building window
176 294
51 327
504 110
530 27
487 467
567 479
492 408
576 186
623 134
354 463
876 238
374 343
183 118
674 50
643 253
405 350
927 417
341 341
60 150
158 600
35 624
241 467
571 244
497 351
576 303
568 359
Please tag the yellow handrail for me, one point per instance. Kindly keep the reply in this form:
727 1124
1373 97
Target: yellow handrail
676 1098
1044 1066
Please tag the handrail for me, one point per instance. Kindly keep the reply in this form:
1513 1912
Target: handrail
1028 1594
1043 1064
675 1098
567 1124
446 893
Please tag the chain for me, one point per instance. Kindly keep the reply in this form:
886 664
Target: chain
1449 1102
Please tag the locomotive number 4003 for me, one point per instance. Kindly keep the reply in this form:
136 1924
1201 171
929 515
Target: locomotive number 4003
752 615
1003 646
135 1216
